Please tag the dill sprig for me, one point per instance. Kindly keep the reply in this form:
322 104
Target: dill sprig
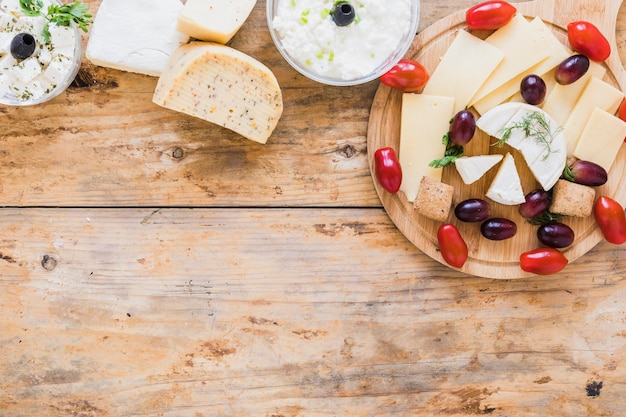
544 218
534 125
61 15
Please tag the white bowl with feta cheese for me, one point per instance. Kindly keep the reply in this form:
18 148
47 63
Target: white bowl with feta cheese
345 42
37 62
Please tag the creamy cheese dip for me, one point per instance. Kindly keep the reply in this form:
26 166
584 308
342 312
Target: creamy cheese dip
311 37
37 76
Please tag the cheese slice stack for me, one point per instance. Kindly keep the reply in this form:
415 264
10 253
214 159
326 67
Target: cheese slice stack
214 20
224 86
544 153
506 187
135 35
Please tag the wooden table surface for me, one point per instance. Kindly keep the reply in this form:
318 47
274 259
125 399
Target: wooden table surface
152 264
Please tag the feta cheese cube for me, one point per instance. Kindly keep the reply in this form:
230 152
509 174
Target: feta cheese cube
26 70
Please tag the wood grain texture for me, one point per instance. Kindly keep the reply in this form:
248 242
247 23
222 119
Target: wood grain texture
493 259
194 313
284 289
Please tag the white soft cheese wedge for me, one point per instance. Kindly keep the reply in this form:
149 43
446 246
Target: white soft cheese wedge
224 86
214 20
453 77
597 94
506 187
557 52
602 138
472 168
135 35
535 135
424 121
523 48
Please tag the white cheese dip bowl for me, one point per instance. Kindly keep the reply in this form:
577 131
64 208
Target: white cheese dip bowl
316 43
52 66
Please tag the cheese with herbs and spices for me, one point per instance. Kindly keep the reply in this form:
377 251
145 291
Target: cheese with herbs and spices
36 76
309 34
224 86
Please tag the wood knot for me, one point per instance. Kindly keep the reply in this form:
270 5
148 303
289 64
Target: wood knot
48 262
178 153
347 151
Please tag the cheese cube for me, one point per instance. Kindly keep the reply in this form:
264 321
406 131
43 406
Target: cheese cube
506 187
523 48
136 36
597 93
449 81
424 121
601 139
214 20
224 86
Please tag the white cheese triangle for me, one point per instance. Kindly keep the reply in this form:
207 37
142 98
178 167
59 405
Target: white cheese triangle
472 168
506 187
224 86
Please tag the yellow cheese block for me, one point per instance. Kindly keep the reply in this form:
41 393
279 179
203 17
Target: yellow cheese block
425 120
224 86
601 139
597 93
562 98
523 48
557 52
214 20
460 74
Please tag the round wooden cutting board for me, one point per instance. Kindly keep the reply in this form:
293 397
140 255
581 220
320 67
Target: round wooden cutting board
487 258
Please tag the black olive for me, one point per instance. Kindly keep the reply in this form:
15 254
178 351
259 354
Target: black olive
343 14
22 45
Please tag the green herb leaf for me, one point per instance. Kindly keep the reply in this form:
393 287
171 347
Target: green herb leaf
451 155
60 15
544 218
568 174
534 125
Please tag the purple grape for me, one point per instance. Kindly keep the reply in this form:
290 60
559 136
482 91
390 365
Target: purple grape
537 201
533 89
555 235
462 127
472 210
498 229
571 69
587 173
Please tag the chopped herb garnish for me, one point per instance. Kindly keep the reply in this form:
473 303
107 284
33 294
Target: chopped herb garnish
544 218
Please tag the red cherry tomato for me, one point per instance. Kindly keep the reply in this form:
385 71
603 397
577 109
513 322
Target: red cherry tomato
585 38
621 113
407 76
611 219
543 261
451 245
489 15
387 169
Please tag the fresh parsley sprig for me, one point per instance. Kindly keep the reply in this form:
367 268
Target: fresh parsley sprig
61 15
452 153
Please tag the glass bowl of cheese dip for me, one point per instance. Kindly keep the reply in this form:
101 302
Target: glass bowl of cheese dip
345 42
35 68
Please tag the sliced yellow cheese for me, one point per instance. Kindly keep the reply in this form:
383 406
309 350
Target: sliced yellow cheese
506 187
523 48
460 74
597 93
472 168
562 98
425 120
224 86
214 20
601 139
557 52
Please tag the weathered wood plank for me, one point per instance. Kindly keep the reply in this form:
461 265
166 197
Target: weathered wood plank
230 312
